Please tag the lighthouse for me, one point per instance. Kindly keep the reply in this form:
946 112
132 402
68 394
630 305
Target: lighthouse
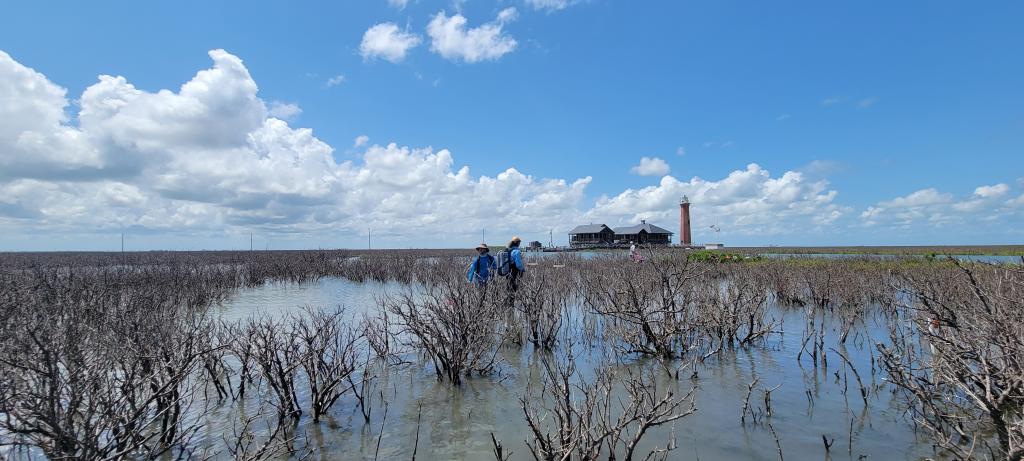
684 222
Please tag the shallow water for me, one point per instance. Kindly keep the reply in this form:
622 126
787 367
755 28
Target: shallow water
456 423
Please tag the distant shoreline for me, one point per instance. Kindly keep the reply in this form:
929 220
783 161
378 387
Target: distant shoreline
979 250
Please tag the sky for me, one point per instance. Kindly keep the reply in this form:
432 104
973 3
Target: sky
421 123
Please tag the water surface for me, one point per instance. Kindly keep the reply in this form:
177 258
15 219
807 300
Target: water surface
457 422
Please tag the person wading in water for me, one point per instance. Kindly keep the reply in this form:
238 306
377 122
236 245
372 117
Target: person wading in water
511 266
483 265
634 253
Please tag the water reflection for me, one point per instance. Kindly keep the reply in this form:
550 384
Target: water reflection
456 423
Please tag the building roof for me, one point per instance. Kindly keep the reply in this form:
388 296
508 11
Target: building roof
588 229
650 228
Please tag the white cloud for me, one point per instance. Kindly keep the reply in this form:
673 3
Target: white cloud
930 207
451 39
995 190
680 151
399 4
35 140
404 188
30 102
335 80
831 101
361 140
121 129
550 5
651 166
387 41
217 108
211 157
746 202
923 197
284 111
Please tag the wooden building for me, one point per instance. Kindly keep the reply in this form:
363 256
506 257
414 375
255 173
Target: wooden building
600 235
591 235
643 233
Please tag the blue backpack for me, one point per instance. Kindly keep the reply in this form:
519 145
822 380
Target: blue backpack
504 262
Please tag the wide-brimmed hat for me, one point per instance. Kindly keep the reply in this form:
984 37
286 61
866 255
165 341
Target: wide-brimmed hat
482 246
515 240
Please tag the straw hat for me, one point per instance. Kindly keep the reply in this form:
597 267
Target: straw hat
515 240
482 246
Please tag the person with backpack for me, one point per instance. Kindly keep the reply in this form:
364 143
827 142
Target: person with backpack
483 265
511 266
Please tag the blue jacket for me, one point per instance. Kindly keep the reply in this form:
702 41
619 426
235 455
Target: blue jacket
480 269
517 259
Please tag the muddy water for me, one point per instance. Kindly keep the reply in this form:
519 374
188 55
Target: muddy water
456 423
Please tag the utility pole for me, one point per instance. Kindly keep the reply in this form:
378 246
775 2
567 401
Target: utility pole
122 242
483 235
250 242
369 233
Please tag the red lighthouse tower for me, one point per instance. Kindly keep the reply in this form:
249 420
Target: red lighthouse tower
684 222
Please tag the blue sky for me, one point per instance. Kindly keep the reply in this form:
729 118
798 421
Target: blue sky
880 100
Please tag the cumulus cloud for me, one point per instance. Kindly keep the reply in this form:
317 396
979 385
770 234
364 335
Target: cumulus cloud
451 38
996 190
217 108
388 42
35 140
284 111
747 202
931 207
213 157
31 102
404 188
651 166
